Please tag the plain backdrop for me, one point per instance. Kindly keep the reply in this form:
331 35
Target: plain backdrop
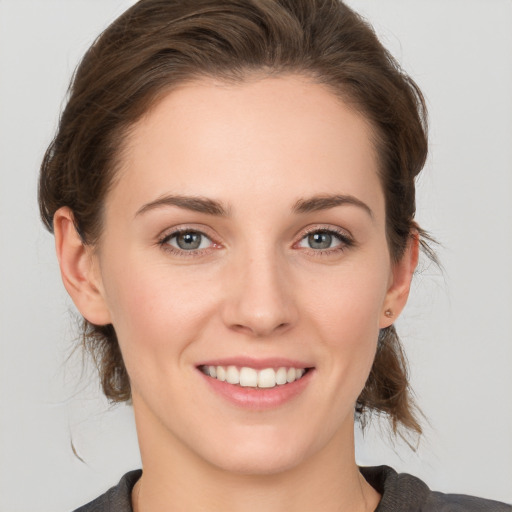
456 329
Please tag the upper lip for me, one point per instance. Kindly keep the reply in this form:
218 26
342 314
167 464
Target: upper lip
256 363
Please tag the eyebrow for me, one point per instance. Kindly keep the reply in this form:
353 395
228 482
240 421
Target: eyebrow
324 202
213 207
193 203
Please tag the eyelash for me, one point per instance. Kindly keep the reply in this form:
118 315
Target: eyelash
345 242
163 242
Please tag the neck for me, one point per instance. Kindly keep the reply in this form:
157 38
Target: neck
175 476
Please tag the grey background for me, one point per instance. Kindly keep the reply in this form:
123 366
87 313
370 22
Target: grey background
456 328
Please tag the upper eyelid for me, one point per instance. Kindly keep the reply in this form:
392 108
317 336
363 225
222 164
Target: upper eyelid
174 234
163 242
342 233
346 240
174 231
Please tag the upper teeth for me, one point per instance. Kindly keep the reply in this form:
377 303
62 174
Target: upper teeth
249 377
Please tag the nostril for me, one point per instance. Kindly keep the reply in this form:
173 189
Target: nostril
260 330
242 329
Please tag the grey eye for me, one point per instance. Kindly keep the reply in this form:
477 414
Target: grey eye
320 240
323 239
189 241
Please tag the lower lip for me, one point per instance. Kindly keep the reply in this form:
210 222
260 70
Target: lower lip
259 398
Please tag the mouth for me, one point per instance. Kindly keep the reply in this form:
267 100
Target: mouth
247 377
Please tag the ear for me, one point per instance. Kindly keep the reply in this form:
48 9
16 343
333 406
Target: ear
79 269
400 282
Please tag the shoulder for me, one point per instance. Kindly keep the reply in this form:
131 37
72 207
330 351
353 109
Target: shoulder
402 492
117 498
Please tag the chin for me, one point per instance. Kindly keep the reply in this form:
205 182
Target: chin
256 462
259 453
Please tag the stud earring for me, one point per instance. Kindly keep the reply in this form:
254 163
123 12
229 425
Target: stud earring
388 313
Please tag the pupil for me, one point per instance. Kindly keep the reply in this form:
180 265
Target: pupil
189 241
320 240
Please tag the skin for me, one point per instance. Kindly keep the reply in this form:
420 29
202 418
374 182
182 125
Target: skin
255 288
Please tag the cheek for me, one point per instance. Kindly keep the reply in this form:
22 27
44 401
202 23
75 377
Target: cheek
349 304
154 309
347 317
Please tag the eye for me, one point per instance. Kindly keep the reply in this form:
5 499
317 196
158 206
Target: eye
187 240
324 239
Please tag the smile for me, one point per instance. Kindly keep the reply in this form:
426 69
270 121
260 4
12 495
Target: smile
250 377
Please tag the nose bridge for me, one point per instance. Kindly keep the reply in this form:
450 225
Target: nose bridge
260 301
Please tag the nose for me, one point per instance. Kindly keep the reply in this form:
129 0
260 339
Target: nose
260 302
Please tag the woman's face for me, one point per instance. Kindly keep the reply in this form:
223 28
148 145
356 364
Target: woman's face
246 233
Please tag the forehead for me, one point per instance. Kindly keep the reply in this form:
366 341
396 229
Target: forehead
250 139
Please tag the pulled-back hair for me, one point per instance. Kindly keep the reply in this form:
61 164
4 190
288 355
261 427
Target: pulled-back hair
158 44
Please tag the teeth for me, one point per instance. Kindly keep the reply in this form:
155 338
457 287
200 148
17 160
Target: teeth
267 378
249 377
220 373
232 375
281 376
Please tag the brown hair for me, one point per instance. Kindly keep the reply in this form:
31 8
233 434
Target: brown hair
157 44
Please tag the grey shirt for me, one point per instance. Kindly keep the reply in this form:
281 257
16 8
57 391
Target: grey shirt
400 493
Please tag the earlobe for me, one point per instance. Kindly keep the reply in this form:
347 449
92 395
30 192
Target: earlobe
79 269
400 285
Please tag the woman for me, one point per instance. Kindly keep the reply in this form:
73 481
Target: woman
232 194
